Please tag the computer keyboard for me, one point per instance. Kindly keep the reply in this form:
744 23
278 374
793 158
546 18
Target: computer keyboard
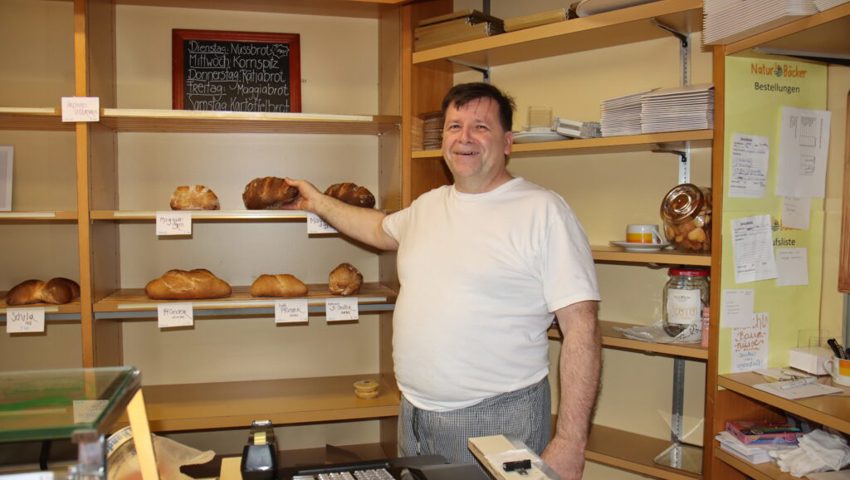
368 474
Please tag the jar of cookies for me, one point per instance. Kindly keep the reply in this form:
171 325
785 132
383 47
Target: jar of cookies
686 213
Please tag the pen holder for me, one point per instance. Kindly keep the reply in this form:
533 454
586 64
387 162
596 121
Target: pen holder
839 370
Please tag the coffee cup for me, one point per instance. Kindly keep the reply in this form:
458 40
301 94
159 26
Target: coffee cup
839 369
643 233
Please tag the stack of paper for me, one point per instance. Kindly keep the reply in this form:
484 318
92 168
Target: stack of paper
455 27
535 19
577 129
673 109
753 453
726 21
827 4
621 115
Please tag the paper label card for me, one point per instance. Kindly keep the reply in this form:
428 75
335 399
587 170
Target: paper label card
738 308
173 223
749 345
291 311
752 244
316 224
24 320
796 212
341 309
750 154
175 314
80 109
793 266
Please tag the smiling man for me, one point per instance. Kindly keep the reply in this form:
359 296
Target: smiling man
484 264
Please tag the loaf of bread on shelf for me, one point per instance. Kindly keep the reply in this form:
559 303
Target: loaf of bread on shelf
194 197
278 285
352 194
57 291
345 280
268 193
187 285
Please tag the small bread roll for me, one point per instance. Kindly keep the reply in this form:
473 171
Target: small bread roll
57 291
280 285
185 285
195 197
345 280
268 193
352 194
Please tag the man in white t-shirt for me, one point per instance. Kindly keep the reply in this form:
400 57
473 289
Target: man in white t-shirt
483 266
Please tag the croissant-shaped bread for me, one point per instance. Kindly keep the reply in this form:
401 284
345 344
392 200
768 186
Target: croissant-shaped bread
352 194
280 285
57 291
345 280
268 193
195 197
185 285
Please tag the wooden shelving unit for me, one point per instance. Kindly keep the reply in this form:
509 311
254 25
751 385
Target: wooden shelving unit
631 452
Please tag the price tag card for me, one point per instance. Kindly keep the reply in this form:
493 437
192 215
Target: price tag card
175 315
23 320
80 109
291 311
173 223
341 309
315 224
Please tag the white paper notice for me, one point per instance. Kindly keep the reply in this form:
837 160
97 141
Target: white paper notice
24 320
173 223
80 109
752 244
294 310
793 266
341 309
175 314
749 345
796 212
316 224
737 309
803 148
750 156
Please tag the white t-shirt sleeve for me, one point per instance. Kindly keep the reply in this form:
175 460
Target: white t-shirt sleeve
569 275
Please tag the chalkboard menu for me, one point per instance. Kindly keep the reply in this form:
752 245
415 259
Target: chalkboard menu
236 71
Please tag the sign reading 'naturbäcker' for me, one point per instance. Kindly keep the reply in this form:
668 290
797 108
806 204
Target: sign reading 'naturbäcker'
236 71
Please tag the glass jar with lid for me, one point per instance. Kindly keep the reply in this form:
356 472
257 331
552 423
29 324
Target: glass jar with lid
685 295
686 213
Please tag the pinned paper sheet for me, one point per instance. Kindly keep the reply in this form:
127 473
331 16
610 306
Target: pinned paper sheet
793 266
752 244
737 309
796 212
749 345
803 148
748 176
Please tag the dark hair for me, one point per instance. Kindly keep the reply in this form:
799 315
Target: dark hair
463 93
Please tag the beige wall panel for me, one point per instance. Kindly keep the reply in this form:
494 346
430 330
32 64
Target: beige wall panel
42 73
57 347
44 174
40 251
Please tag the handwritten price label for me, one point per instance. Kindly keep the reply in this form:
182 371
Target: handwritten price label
80 109
315 224
341 309
173 223
23 320
291 311
175 315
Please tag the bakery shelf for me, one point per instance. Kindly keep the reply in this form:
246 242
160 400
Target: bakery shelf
664 257
829 410
190 121
631 452
220 405
612 338
128 303
618 27
626 143
38 216
208 215
14 118
67 311
336 8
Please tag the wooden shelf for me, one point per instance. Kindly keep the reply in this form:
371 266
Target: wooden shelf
664 257
631 452
629 143
618 27
13 118
221 405
70 310
337 8
125 301
62 216
762 471
830 410
189 121
207 215
613 338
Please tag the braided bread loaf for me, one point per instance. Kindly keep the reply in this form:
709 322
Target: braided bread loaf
268 193
352 194
57 291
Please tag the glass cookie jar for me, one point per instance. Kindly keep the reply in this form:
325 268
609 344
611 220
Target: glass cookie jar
686 213
685 296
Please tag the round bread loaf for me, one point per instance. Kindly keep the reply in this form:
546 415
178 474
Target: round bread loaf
352 194
185 285
57 291
345 280
268 193
195 197
279 285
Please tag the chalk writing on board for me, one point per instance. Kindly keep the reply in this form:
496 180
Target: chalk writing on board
236 71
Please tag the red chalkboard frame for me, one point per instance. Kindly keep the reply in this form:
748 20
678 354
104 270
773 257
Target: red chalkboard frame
180 36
